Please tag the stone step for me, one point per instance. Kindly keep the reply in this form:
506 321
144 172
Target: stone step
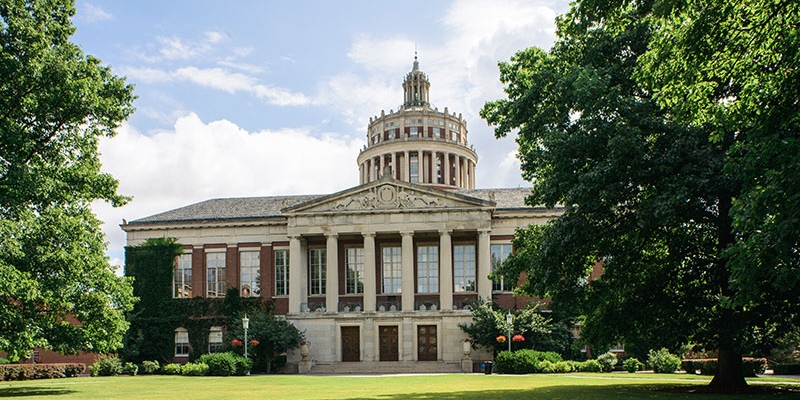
386 367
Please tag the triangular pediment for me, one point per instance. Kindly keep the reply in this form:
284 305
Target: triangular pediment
388 195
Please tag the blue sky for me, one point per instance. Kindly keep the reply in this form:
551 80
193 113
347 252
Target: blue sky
260 98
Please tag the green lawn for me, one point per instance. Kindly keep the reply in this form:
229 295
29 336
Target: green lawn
506 387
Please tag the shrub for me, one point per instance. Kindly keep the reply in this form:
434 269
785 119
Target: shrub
546 367
15 372
589 366
608 360
754 366
130 368
150 367
524 361
786 369
4 361
172 369
632 365
562 367
106 365
219 364
243 365
663 362
194 369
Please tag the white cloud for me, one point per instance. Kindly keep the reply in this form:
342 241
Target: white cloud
92 13
219 79
175 48
196 161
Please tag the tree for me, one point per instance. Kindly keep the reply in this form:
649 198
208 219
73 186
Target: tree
669 132
274 335
489 322
59 291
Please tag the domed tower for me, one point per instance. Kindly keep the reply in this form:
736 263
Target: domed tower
418 143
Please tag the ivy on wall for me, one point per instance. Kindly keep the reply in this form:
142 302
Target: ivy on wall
157 315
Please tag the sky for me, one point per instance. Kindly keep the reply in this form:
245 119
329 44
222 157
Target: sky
267 98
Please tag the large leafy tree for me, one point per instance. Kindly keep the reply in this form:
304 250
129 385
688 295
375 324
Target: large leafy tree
275 335
57 288
489 323
669 132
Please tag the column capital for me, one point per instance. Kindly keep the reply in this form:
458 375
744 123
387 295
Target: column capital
368 234
445 232
406 233
333 235
484 231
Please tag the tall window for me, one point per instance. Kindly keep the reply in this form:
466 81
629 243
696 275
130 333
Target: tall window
181 342
414 132
215 274
354 281
464 268
439 169
316 273
499 254
414 167
427 269
281 272
250 271
182 278
215 339
392 270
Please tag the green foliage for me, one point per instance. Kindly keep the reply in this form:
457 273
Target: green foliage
106 365
222 364
171 369
671 132
608 360
526 361
633 365
274 334
489 322
663 362
55 104
194 369
20 372
588 366
130 368
786 369
150 367
708 366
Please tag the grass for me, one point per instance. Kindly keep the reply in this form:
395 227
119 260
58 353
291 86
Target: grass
468 387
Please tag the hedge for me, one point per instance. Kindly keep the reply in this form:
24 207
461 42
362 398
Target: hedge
786 369
708 366
21 372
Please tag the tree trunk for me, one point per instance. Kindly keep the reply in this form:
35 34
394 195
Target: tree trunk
729 377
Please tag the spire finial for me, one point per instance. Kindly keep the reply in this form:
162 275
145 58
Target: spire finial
416 62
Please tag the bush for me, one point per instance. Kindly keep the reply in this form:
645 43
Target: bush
632 365
219 364
106 365
754 366
150 367
17 372
608 360
130 368
524 361
194 369
172 369
663 362
786 369
708 366
589 366
243 365
546 367
562 367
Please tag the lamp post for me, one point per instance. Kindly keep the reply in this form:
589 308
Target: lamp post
245 325
510 322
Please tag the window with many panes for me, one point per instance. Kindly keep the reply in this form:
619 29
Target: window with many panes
215 274
499 254
413 131
181 342
215 339
250 273
281 272
317 271
464 268
427 269
354 262
414 167
391 268
182 278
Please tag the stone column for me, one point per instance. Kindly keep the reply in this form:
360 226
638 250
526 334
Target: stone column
370 290
406 167
446 168
297 292
423 170
407 263
484 265
332 273
445 271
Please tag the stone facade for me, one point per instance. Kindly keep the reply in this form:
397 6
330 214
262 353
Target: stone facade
379 275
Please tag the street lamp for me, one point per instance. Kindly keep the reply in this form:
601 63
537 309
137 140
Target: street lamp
510 322
245 325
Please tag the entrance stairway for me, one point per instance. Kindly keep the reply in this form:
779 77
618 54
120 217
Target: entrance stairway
386 367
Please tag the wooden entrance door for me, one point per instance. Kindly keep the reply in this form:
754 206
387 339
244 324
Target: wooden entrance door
388 343
426 343
351 343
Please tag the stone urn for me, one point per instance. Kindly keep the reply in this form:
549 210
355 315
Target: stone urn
467 347
304 350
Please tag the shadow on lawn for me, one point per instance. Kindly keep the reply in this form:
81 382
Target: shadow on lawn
623 392
32 391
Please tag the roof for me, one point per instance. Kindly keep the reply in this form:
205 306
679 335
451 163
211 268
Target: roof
248 208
